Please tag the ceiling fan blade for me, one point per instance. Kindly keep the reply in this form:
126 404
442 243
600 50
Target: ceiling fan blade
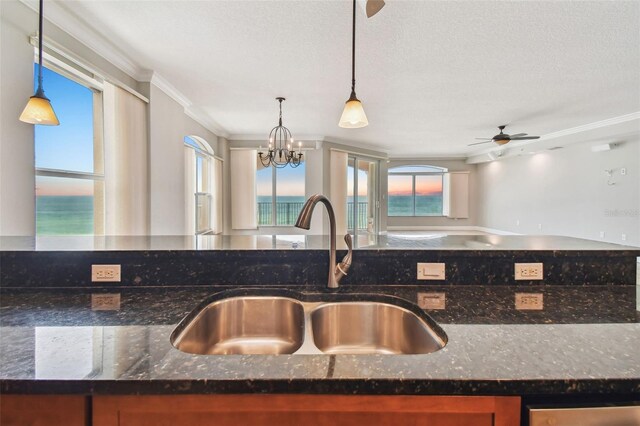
484 139
517 135
373 7
522 138
480 143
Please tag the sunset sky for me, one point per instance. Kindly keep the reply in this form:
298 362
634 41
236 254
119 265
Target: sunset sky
425 185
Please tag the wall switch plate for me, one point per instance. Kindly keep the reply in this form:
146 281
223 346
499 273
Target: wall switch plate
601 234
624 237
528 271
105 302
431 271
529 301
432 300
105 273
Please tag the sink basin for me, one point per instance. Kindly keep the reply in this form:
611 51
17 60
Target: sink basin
371 328
279 321
244 325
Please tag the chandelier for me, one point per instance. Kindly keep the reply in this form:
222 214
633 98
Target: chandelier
281 151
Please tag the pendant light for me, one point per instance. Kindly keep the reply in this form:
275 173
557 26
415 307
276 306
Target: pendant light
39 109
281 151
353 115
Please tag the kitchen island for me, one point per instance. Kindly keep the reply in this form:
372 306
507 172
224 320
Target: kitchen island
582 346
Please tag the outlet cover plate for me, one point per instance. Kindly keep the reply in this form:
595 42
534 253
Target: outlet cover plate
431 271
529 301
432 301
105 302
529 271
105 273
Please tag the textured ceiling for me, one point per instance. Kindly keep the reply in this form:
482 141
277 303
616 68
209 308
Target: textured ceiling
432 75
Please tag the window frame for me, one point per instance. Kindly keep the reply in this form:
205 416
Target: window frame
95 85
203 151
413 175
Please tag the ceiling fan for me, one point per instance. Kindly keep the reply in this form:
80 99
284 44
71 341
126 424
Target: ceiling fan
503 138
372 7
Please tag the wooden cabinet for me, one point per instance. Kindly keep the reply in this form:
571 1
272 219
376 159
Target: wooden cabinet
308 410
44 410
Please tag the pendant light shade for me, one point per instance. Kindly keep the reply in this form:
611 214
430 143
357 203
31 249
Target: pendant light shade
353 116
39 109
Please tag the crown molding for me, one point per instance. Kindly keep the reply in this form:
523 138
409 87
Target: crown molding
591 126
163 84
206 121
190 110
621 119
439 157
66 20
61 16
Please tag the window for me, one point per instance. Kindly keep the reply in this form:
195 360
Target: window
201 186
415 191
68 159
280 193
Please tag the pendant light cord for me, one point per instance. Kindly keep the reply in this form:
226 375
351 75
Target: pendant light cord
40 48
353 52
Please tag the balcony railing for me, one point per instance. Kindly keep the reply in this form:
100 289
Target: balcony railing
362 215
287 213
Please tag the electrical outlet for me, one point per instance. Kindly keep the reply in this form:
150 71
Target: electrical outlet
529 301
601 234
431 271
624 237
528 271
105 273
432 300
105 302
623 171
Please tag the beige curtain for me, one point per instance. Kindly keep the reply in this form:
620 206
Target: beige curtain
216 193
126 155
338 186
243 165
189 190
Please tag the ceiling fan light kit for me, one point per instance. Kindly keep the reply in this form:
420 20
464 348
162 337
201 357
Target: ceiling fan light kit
503 138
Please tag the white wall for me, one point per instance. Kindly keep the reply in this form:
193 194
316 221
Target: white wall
17 168
564 192
168 125
452 166
17 163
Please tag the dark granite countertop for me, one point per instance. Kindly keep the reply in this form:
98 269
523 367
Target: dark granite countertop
585 341
393 241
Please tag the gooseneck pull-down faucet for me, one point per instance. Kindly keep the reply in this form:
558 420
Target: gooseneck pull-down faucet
336 270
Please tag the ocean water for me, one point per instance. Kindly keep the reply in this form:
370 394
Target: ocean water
73 215
426 205
64 215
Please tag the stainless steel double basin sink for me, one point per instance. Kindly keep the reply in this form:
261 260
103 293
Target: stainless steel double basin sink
273 322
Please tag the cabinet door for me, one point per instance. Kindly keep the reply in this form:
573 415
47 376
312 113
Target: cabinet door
308 410
43 410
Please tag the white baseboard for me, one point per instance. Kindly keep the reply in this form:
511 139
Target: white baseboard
451 228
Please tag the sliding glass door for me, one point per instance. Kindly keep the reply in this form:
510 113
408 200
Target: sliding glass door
362 195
